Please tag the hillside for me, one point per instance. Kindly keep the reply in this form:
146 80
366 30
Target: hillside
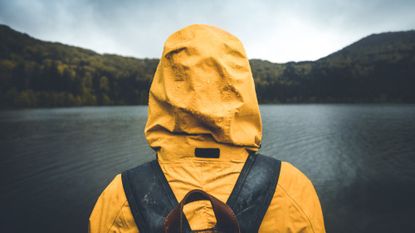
377 68
37 73
34 73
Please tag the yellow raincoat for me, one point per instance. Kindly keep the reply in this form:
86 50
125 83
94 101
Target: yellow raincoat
203 95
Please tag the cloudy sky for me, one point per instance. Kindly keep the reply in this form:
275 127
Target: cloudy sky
279 31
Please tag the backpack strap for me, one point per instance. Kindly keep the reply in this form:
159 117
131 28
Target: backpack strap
149 196
254 191
225 218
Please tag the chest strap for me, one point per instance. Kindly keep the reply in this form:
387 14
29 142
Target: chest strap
151 198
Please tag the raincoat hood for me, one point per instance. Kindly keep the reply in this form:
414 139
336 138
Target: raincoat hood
203 94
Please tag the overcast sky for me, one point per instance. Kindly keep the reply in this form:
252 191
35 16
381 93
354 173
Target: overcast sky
278 31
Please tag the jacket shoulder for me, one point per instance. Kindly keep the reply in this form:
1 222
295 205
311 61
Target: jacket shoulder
296 201
111 211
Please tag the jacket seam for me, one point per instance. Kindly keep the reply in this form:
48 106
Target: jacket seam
298 207
118 214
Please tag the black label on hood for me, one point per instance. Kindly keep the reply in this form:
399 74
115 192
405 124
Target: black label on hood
212 153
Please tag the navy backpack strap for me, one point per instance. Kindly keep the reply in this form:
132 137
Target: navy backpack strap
254 191
149 196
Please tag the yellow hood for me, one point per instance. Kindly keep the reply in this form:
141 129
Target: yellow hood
203 93
203 96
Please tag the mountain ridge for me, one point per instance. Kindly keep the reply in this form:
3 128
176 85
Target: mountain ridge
35 73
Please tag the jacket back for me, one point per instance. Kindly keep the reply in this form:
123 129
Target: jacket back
203 96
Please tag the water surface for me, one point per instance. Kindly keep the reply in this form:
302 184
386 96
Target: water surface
361 158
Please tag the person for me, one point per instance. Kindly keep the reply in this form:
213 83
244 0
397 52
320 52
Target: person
203 97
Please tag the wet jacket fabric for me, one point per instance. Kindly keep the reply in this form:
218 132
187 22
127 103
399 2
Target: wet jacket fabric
203 96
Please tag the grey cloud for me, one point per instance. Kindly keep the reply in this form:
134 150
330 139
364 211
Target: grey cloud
274 30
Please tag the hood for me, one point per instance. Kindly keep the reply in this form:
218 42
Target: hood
203 94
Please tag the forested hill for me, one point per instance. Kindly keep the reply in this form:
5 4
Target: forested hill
377 68
34 73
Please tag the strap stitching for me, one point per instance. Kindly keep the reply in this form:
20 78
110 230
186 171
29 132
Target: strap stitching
272 185
161 178
134 205
157 170
241 180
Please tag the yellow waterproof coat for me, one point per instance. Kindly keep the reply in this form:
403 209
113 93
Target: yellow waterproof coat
203 95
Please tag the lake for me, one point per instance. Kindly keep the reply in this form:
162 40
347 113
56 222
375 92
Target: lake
361 158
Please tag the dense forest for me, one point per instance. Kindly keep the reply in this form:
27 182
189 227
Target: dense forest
35 73
377 68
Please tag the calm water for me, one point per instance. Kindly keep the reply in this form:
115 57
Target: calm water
361 158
